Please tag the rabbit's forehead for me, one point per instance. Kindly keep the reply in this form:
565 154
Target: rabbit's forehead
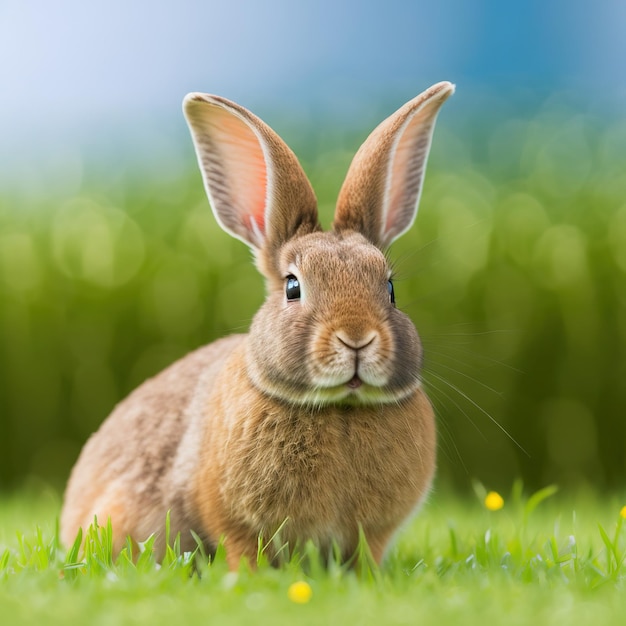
327 253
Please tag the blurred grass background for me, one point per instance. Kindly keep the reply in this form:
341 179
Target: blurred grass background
514 275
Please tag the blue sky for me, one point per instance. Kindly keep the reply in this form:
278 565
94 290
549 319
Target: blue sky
71 70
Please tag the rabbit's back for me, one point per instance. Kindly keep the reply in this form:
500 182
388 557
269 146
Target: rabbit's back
133 467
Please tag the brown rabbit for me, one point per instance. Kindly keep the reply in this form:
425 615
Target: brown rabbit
315 422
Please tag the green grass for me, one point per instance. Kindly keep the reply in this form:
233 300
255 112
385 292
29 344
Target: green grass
540 559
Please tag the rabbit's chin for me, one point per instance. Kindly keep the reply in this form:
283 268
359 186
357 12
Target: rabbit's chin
353 393
344 395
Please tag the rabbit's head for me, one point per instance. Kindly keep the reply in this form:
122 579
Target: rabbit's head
329 331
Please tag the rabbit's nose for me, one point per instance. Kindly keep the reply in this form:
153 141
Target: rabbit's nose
356 343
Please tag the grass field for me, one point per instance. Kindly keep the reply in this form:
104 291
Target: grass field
544 559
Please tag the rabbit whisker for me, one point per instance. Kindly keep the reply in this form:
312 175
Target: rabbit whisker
486 413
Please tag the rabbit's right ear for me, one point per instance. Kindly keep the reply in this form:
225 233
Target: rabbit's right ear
381 192
256 186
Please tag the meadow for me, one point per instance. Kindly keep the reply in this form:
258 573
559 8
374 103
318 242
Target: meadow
514 274
542 558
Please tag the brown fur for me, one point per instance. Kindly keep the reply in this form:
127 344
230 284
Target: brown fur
315 423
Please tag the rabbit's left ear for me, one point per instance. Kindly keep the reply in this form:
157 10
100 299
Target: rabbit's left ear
256 186
381 192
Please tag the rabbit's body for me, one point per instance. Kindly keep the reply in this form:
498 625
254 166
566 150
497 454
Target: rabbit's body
133 468
314 424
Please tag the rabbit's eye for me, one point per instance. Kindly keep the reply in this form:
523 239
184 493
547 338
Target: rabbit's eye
392 296
292 289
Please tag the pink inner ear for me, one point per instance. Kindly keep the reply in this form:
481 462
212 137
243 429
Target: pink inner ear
406 174
244 168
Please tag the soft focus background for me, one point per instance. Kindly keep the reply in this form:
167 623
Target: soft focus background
112 266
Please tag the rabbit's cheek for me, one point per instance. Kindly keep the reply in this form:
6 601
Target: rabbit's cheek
407 359
374 370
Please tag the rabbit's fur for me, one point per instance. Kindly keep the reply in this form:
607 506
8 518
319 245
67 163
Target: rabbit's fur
315 422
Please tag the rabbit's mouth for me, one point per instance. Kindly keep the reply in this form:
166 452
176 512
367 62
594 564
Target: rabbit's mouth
353 392
355 382
352 385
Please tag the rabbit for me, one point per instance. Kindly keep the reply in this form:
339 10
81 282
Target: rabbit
315 423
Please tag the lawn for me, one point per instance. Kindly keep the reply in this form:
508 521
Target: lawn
545 558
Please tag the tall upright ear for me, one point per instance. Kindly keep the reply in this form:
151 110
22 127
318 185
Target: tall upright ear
381 192
256 186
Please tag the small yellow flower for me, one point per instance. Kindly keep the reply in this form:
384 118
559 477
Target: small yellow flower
494 501
623 512
300 592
